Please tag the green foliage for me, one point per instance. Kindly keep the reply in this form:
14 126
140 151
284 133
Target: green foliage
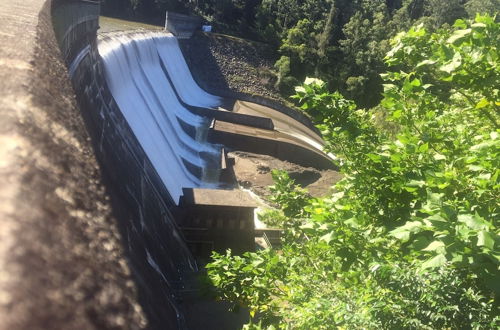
290 198
411 238
273 218
285 82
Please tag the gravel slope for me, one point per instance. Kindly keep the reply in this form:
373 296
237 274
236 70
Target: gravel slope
220 62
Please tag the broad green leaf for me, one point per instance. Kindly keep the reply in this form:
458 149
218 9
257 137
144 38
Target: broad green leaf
475 168
434 246
435 218
483 103
473 221
403 232
416 183
426 62
396 157
257 262
478 25
453 64
434 262
424 147
439 157
485 239
460 23
308 225
458 34
420 242
397 114
483 145
328 237
486 19
375 158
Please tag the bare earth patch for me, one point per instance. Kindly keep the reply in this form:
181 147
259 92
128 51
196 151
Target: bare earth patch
253 171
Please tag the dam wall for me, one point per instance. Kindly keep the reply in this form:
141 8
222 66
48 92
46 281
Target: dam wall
63 264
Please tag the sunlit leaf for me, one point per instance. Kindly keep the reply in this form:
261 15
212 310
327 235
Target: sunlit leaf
434 262
483 103
434 246
485 239
453 64
328 237
458 34
473 221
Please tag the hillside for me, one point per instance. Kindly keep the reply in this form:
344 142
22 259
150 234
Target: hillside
221 63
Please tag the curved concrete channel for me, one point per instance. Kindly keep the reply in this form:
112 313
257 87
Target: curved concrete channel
113 163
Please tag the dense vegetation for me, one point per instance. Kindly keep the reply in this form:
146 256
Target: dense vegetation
410 238
342 42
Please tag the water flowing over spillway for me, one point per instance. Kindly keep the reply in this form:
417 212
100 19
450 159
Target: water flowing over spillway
191 93
171 136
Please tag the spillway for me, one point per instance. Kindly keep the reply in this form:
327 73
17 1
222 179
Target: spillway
178 70
171 136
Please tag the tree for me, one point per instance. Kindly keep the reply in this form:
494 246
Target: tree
491 7
363 49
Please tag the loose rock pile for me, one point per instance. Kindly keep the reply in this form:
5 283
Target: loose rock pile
221 63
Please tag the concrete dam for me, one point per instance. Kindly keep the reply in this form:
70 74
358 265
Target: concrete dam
116 179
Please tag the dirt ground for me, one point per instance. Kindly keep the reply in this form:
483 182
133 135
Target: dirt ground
253 172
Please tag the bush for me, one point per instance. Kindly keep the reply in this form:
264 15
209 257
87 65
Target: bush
410 239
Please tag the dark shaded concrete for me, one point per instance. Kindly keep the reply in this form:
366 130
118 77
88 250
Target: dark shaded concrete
182 26
217 220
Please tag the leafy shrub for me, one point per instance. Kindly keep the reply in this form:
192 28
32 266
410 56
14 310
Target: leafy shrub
410 239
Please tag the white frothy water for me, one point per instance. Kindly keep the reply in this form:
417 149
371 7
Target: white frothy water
148 102
178 70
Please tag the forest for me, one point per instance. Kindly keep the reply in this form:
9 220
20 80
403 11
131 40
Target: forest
406 96
342 42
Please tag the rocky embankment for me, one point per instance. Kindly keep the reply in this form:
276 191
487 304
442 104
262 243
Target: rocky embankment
224 63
